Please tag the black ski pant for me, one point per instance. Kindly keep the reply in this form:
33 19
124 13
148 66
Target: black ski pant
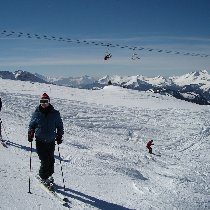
45 152
150 150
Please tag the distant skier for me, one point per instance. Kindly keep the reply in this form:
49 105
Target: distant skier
149 144
47 126
0 104
109 82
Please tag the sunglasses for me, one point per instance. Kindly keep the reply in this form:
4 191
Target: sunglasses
44 101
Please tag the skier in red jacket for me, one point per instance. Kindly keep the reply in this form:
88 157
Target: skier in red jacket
149 144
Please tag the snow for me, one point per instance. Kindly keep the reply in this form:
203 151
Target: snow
189 95
133 80
201 78
104 159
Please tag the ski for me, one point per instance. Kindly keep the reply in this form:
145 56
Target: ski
159 155
52 193
150 157
61 200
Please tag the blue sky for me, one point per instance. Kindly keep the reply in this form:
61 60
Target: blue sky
171 25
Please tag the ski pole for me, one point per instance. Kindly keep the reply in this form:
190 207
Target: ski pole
29 178
4 132
64 188
0 127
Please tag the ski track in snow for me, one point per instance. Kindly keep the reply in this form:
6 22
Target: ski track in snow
105 161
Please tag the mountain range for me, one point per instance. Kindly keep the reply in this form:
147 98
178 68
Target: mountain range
192 87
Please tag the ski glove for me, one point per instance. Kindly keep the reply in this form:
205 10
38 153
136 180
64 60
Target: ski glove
59 139
31 133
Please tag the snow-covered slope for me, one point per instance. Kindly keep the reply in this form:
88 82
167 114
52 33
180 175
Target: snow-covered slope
105 162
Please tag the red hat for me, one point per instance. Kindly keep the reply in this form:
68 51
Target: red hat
45 96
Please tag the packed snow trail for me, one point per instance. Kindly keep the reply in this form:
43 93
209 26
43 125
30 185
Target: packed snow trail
105 162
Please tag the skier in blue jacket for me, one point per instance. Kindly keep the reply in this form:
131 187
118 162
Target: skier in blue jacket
47 127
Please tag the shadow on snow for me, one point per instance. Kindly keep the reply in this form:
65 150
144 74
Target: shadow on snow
100 204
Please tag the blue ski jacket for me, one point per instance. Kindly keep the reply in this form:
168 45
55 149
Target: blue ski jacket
47 125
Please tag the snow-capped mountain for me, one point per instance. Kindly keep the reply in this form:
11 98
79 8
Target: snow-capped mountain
76 82
21 75
200 78
192 87
7 75
27 76
194 84
134 81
